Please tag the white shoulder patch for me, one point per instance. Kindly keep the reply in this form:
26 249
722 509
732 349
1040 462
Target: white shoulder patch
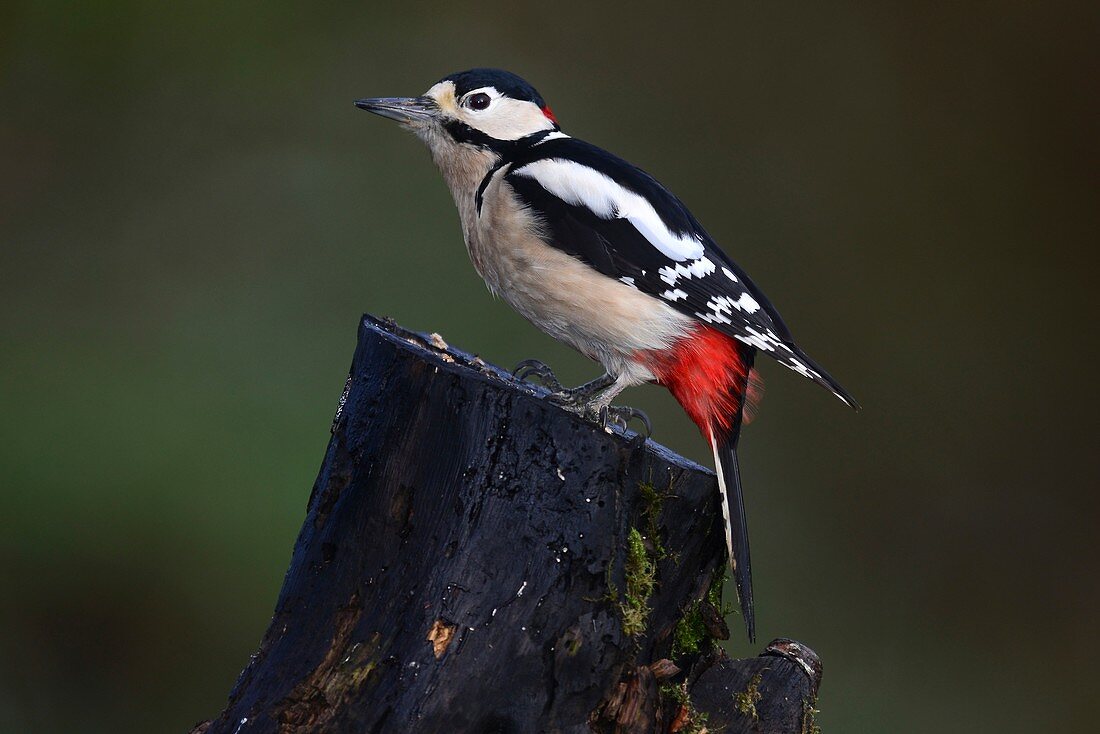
556 135
580 185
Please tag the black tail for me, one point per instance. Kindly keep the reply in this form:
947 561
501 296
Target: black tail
801 363
724 444
737 530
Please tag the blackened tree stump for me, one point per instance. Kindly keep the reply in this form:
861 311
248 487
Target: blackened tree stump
475 559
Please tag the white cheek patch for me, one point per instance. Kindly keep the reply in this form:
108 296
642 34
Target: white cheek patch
505 118
580 185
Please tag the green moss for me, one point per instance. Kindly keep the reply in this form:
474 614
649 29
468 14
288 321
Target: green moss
697 723
696 720
809 714
653 501
714 593
651 497
677 692
746 699
690 634
641 577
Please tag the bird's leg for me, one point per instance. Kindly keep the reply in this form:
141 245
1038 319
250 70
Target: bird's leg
591 401
577 397
572 398
599 409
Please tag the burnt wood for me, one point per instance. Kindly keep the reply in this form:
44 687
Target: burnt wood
466 564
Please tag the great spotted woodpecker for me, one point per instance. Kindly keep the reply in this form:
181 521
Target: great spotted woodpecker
599 255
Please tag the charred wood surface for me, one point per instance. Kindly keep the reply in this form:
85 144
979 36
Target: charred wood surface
475 559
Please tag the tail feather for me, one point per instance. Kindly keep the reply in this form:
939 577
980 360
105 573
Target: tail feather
710 374
801 363
737 530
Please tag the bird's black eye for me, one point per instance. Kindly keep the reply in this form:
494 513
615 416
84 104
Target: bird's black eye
478 101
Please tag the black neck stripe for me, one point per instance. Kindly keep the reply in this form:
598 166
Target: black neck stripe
480 196
507 155
463 133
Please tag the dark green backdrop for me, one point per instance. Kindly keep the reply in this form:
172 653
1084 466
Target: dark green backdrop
193 216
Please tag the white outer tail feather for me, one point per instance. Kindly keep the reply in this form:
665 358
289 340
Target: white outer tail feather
725 502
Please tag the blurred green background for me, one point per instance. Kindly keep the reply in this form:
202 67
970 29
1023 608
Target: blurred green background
193 216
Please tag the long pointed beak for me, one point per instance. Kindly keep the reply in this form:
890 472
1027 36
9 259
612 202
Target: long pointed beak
402 109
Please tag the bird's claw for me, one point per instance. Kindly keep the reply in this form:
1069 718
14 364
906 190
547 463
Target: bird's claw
533 368
621 415
573 399
584 400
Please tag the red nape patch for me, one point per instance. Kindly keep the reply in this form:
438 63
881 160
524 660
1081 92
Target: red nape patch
549 115
706 373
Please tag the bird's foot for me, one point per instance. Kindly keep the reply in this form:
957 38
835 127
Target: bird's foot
604 415
590 400
573 399
621 415
533 369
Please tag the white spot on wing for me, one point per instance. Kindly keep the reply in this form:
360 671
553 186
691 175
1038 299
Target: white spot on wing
714 318
802 368
762 340
580 185
695 269
747 303
701 267
753 340
729 274
628 280
674 295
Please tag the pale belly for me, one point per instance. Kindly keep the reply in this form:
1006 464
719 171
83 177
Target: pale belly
603 318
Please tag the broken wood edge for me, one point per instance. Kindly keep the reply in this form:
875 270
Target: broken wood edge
800 654
435 349
648 701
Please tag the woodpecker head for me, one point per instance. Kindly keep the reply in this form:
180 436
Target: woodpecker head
474 113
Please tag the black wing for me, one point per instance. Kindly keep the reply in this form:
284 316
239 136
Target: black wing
622 222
